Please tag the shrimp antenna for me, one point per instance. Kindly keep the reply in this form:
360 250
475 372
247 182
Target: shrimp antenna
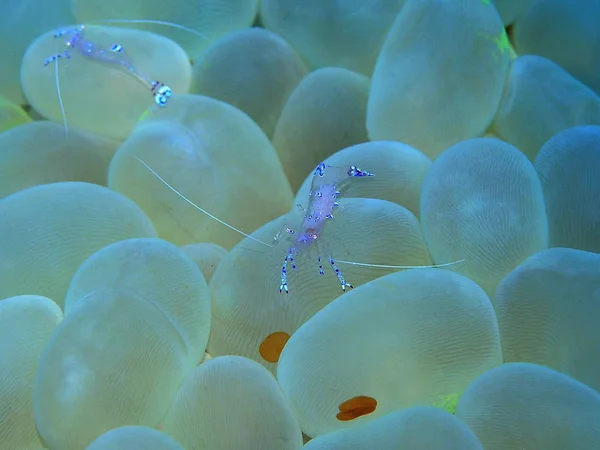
60 101
155 22
383 266
200 209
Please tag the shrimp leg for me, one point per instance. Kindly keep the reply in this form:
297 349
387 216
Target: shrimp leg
340 276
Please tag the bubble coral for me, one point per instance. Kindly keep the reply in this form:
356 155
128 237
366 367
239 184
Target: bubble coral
234 175
114 360
160 273
118 99
134 437
49 230
26 323
439 77
39 153
206 255
547 312
325 113
482 201
254 70
21 23
403 339
11 115
512 10
247 306
213 18
329 33
416 428
541 99
232 402
523 405
565 32
569 166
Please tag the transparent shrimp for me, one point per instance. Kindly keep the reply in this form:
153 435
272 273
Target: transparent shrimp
327 186
76 41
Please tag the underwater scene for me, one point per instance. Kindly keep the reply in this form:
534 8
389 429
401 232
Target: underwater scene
286 224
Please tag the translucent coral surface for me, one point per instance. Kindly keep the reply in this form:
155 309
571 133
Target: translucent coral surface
568 166
115 360
439 77
522 405
482 201
134 437
39 153
548 310
218 408
325 113
541 99
403 340
20 23
566 32
417 428
253 69
49 230
346 34
26 323
160 273
278 224
247 306
212 18
236 176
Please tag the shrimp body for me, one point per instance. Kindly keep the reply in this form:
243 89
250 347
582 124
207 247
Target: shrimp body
326 187
75 40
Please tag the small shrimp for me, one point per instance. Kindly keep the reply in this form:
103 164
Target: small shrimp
325 189
327 185
116 55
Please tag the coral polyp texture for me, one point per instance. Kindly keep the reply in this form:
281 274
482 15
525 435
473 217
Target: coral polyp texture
216 408
283 224
132 437
542 302
524 405
399 341
439 77
254 70
26 323
417 428
213 154
49 230
39 153
482 201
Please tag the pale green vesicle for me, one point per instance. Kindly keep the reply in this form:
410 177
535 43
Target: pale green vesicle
11 115
448 402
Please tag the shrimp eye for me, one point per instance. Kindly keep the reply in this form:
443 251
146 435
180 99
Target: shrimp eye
165 91
160 100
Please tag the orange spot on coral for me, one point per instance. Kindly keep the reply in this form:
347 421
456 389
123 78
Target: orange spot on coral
356 407
271 347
